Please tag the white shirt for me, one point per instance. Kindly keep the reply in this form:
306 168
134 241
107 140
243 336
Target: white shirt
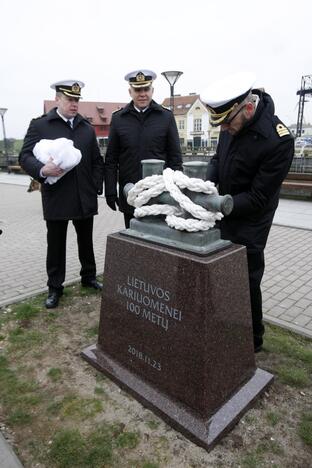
65 119
140 110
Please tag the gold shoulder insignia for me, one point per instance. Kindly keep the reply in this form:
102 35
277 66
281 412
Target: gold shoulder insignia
282 130
167 108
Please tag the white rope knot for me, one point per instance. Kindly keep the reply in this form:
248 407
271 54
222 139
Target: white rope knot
172 182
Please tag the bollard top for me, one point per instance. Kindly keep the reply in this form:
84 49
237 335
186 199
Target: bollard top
196 169
152 167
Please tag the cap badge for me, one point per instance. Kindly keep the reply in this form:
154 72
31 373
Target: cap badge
75 88
282 130
140 77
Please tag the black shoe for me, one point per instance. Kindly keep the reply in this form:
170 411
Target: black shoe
92 284
52 299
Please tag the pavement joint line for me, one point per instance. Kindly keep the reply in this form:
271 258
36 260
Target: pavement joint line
291 327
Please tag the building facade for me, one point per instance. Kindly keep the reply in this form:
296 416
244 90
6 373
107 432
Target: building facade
192 118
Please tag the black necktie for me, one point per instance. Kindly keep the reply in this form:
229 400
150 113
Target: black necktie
69 123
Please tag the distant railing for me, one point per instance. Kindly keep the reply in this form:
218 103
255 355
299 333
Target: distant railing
5 161
301 165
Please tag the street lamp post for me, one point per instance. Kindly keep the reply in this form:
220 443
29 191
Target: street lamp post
172 77
2 112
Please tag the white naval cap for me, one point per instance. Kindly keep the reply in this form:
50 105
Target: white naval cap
221 96
140 78
71 88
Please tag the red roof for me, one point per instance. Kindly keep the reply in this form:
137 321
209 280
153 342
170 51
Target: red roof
98 113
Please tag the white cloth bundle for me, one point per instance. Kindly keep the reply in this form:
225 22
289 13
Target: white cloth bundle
62 152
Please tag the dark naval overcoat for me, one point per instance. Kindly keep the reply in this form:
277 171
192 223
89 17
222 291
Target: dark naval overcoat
136 136
251 167
73 196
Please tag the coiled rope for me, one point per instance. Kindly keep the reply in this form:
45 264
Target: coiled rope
172 182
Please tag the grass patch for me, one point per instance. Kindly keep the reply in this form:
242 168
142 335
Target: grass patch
284 342
68 292
51 316
127 440
91 332
19 417
252 460
250 418
273 418
100 391
293 376
72 406
305 428
144 464
25 339
26 311
85 291
152 424
17 396
100 378
270 446
70 448
55 374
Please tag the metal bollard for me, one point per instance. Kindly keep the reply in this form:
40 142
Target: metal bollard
152 167
197 169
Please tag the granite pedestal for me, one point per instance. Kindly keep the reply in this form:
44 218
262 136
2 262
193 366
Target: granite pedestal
175 331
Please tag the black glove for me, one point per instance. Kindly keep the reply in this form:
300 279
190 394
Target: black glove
112 201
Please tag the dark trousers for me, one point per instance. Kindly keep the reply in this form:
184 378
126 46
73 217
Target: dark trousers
255 270
56 253
127 218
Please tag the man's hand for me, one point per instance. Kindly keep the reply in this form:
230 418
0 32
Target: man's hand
51 169
112 201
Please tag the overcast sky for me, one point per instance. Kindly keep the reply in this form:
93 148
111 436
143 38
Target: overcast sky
99 41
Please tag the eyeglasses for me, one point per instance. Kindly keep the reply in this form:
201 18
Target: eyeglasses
228 121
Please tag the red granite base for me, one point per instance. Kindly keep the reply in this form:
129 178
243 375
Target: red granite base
176 331
203 432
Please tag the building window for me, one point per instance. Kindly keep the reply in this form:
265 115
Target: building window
181 124
197 125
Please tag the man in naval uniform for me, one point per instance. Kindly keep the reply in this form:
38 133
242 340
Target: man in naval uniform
141 130
74 195
253 156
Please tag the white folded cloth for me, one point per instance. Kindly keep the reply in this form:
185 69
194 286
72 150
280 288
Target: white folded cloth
62 152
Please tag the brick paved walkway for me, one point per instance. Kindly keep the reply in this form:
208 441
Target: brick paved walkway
287 282
23 243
